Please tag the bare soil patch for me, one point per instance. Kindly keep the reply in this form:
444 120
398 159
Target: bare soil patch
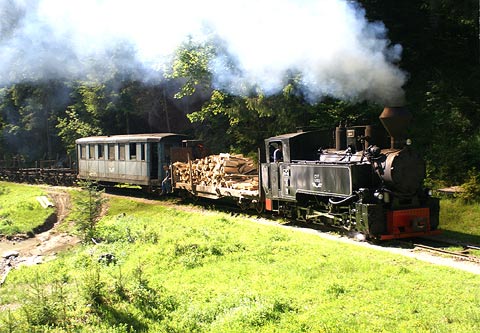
45 243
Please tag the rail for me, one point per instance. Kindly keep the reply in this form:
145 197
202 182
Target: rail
459 255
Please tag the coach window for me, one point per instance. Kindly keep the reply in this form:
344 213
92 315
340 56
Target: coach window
133 151
142 152
121 152
101 154
111 151
91 152
83 152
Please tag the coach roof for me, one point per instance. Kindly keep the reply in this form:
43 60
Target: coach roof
126 138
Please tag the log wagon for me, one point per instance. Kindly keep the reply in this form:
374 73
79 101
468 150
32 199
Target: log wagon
219 176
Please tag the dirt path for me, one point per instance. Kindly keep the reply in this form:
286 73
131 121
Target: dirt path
44 245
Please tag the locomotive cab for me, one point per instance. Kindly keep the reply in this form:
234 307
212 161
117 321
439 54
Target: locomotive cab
278 183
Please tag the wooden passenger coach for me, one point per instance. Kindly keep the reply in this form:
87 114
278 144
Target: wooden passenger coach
135 158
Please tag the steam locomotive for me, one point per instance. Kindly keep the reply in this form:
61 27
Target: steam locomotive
353 179
361 184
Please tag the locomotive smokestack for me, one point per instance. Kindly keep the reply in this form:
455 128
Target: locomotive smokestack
396 121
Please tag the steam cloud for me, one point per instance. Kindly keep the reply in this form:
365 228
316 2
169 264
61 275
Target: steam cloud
329 44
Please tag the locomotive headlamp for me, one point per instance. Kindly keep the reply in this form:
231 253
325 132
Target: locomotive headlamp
409 142
359 237
378 195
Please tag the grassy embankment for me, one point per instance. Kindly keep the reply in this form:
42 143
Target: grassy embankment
460 221
20 212
177 271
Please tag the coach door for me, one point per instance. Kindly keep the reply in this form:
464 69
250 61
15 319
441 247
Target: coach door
153 160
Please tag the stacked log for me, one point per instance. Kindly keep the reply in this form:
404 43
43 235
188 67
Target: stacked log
223 170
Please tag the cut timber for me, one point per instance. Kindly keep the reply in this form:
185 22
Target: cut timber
230 169
218 171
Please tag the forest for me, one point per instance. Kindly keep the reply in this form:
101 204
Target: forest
41 116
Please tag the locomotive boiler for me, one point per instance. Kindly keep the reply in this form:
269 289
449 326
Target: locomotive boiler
355 179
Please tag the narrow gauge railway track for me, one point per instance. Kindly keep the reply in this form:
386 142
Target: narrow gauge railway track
459 255
441 247
51 176
442 242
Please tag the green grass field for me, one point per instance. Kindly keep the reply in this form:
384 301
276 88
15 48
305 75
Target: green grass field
460 221
20 212
179 271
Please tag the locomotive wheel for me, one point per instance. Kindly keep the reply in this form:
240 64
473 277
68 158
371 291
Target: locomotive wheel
183 194
244 204
259 207
187 196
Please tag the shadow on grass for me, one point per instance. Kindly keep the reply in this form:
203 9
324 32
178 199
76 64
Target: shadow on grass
114 317
460 237
47 225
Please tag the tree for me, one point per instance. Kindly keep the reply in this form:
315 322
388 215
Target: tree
71 127
441 53
29 111
88 205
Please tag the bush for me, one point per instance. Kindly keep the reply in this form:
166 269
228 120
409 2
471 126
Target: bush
88 205
471 188
46 305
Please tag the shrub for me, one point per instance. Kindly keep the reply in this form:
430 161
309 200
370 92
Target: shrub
88 205
46 305
471 188
93 286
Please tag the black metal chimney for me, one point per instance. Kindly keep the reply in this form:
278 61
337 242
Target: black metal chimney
396 121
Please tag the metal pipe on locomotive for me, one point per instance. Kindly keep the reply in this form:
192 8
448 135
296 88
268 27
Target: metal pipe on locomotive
353 179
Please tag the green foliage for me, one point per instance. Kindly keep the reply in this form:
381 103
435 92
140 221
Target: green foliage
471 188
9 324
251 119
460 219
4 189
20 212
46 306
451 120
191 63
93 287
155 303
246 277
71 128
29 112
87 208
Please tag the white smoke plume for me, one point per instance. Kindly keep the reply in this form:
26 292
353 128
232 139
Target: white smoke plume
329 44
